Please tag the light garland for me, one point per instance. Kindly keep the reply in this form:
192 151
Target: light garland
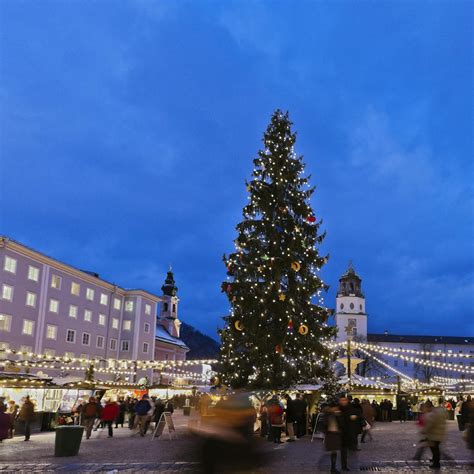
413 351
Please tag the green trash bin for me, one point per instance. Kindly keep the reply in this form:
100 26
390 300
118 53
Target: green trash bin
68 440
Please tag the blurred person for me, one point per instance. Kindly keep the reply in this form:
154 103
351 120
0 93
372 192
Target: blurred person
276 417
131 413
90 413
402 410
169 406
468 413
355 424
158 411
434 430
263 418
122 410
12 411
142 410
457 413
26 416
109 413
368 412
5 423
301 414
290 418
335 433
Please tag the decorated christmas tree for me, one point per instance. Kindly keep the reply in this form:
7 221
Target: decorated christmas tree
274 335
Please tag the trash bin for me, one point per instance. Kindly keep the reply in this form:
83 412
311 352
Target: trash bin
68 440
187 411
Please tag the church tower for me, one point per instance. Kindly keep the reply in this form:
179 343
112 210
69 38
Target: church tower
350 307
168 316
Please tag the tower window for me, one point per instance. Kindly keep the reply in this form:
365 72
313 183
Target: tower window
360 306
352 305
352 286
165 306
174 308
342 305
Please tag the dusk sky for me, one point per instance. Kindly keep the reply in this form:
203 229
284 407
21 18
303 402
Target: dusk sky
128 129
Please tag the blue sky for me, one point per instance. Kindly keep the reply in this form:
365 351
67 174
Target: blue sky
128 129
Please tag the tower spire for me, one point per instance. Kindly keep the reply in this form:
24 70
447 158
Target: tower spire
169 288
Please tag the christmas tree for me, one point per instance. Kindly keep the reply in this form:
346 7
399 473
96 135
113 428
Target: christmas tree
275 333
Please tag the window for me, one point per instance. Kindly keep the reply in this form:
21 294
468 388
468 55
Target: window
405 363
174 308
70 355
7 292
100 342
53 305
127 325
102 319
56 282
129 305
75 288
145 347
71 335
30 299
395 362
33 273
87 315
9 264
125 346
117 304
49 352
27 349
86 339
90 294
72 311
342 306
104 299
115 323
4 345
28 327
5 322
51 331
165 306
113 344
148 309
351 305
146 328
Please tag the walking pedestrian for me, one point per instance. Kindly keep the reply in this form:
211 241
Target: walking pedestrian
121 416
26 416
335 434
402 410
142 410
5 423
276 418
368 413
355 424
109 414
301 409
434 430
290 413
12 411
90 413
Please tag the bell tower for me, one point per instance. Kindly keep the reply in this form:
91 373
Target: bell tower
350 306
168 316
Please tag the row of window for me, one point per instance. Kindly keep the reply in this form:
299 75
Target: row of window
6 320
33 274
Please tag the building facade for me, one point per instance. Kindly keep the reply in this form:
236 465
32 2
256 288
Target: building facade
352 320
48 307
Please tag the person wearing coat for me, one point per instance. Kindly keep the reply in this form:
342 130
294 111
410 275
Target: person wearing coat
90 413
368 413
335 433
290 418
434 431
355 424
275 415
26 415
109 413
5 423
121 416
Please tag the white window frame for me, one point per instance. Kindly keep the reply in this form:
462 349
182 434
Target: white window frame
7 318
28 349
146 328
90 294
49 352
74 332
122 344
4 345
88 315
113 342
115 323
9 264
54 330
89 339
69 355
127 325
75 311
104 299
51 301
33 296
102 319
129 306
147 308
117 304
56 279
147 346
25 333
74 285
10 290
97 342
33 273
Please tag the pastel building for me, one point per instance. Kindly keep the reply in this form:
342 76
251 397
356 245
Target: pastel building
49 307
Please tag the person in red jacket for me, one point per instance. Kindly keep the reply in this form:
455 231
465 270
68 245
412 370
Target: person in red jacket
109 414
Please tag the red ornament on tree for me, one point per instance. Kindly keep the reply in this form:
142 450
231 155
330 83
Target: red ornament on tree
311 219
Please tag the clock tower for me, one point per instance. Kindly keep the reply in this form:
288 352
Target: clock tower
350 306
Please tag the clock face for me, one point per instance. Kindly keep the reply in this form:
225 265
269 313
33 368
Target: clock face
352 305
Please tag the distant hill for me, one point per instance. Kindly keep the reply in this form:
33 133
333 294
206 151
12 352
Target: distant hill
202 346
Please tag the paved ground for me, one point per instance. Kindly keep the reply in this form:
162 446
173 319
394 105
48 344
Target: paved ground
390 451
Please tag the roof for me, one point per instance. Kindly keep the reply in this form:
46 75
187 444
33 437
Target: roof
412 339
163 335
14 245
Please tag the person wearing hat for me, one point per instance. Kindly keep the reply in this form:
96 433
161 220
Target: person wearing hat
90 413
